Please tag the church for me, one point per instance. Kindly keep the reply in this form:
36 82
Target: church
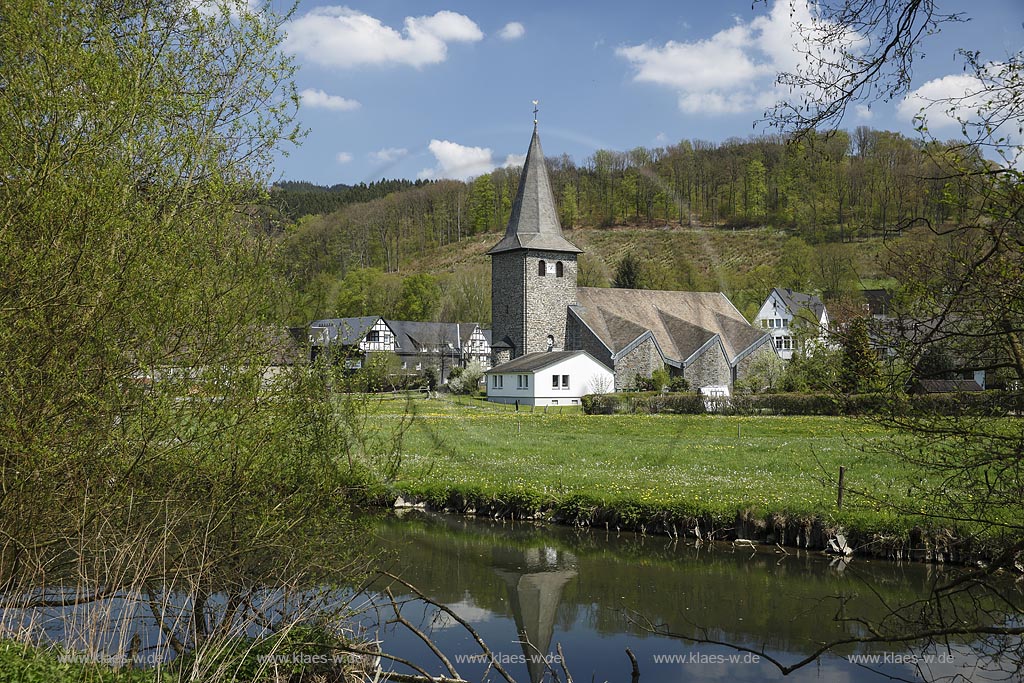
537 309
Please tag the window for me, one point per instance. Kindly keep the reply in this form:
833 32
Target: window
497 381
373 337
554 381
524 381
784 343
565 381
542 268
559 269
554 401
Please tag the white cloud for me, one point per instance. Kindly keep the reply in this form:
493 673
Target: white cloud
388 154
515 160
457 161
344 38
863 112
943 100
513 30
732 71
343 157
321 100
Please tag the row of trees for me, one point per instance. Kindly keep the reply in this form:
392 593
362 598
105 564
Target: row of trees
822 188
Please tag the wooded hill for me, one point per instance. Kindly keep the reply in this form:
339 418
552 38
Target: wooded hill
740 217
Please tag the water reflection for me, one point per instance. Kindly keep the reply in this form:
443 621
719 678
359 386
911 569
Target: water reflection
535 578
527 589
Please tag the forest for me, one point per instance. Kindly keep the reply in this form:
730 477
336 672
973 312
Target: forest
824 200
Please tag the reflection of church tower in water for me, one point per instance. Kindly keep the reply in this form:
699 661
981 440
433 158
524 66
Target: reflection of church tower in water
535 578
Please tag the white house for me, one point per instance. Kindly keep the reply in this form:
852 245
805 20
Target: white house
785 310
548 378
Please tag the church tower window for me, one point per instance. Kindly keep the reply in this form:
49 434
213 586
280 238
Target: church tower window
559 270
542 268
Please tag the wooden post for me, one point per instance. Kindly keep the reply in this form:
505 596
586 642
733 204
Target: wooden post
842 477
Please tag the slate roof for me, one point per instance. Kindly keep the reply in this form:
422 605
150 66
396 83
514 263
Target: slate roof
681 322
410 337
346 331
538 360
797 301
533 223
946 386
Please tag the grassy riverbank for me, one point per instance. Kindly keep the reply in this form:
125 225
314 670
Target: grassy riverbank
644 468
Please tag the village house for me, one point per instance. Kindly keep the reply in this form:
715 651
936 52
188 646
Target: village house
548 378
418 345
537 308
785 312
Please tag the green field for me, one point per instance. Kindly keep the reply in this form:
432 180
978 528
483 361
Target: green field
697 464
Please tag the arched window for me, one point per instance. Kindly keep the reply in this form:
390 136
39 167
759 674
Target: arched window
559 269
542 268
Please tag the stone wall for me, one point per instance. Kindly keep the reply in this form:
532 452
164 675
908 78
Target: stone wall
743 368
527 307
642 361
578 337
508 297
709 368
548 298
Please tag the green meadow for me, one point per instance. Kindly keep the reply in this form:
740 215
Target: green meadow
697 465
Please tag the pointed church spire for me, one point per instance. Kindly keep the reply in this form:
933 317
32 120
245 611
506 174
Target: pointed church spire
534 220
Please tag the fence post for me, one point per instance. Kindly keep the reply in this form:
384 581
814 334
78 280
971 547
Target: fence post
842 477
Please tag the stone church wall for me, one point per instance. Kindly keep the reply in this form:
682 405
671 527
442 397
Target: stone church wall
578 337
641 361
548 298
743 369
507 297
710 368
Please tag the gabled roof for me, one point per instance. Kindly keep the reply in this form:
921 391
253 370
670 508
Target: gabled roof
346 331
533 223
797 301
682 323
538 360
411 337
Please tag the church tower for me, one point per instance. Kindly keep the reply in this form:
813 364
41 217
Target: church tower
533 269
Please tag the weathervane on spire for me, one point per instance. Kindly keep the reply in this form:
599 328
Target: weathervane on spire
535 103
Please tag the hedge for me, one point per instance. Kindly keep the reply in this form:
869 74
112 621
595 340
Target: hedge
990 403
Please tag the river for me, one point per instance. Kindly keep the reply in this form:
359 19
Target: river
597 593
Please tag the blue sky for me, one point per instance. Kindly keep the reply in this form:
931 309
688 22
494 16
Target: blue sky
416 89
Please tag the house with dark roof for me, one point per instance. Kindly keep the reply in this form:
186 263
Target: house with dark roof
548 378
418 345
349 340
785 312
536 306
